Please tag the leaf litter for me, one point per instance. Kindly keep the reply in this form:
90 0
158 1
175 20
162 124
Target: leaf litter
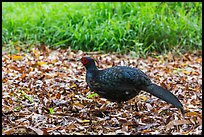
44 93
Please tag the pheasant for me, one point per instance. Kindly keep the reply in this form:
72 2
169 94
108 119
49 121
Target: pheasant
122 83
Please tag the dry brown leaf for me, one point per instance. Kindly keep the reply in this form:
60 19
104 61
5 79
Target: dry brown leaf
37 130
188 114
176 123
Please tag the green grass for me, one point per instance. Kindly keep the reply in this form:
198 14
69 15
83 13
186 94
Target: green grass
110 27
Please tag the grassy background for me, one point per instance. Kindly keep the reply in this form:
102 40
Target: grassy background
119 26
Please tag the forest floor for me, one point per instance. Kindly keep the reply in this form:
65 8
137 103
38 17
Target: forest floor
44 92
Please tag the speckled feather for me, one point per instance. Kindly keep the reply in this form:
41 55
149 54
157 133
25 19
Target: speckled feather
122 82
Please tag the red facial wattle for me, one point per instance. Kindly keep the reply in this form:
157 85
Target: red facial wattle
84 61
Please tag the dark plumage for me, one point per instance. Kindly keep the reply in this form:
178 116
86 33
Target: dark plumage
121 83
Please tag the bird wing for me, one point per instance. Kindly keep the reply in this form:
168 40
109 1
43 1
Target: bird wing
123 77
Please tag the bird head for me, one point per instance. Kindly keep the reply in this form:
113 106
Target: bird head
89 63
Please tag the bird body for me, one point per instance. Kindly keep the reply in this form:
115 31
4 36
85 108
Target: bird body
121 83
117 83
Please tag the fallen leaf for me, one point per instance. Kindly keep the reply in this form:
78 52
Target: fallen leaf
176 123
188 114
41 63
17 57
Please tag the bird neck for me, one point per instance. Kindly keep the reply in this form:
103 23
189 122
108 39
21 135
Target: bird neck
92 68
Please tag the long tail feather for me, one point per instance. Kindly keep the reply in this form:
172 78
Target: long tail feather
164 95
